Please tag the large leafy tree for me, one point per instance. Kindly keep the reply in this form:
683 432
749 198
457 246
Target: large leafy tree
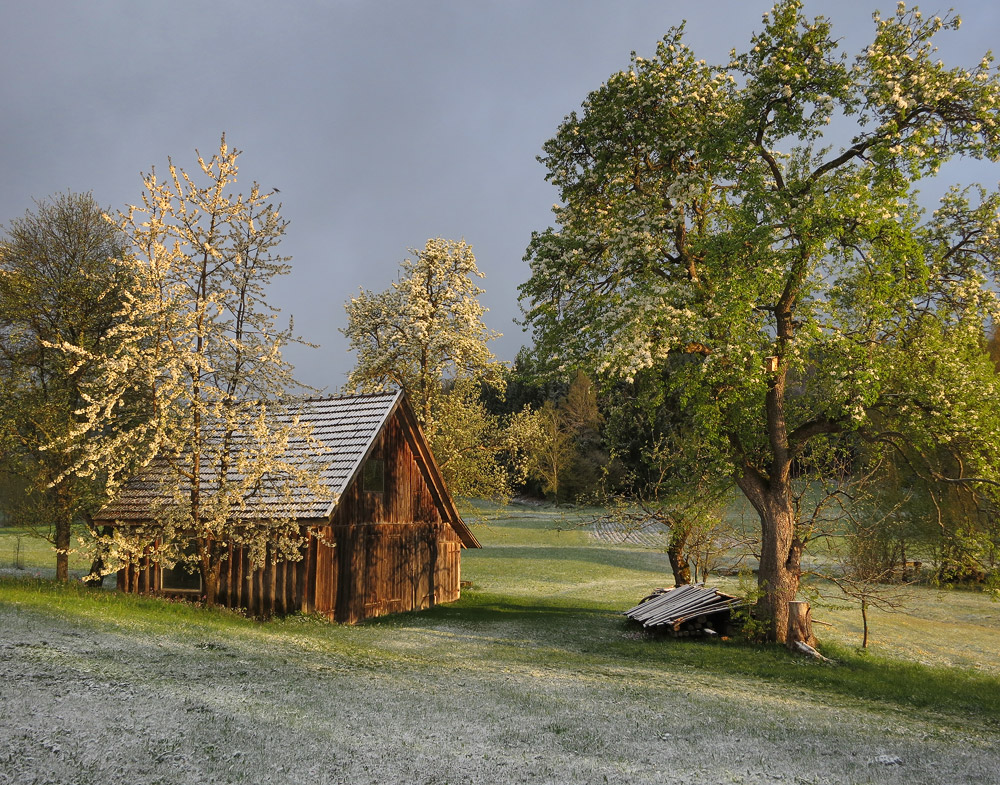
671 481
61 279
200 342
760 218
569 460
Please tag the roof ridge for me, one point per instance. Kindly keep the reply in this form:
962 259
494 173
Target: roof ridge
345 396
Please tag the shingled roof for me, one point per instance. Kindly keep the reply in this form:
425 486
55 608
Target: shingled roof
342 431
346 427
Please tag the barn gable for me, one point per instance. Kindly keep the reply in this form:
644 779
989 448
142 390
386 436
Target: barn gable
379 427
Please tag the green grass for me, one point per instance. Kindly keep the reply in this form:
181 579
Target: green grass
533 669
576 636
554 595
939 654
76 603
27 549
568 633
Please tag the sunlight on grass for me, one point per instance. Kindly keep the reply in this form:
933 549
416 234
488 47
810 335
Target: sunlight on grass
545 667
26 550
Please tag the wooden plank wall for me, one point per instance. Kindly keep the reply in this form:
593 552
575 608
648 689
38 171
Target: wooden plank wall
278 587
140 577
391 568
350 573
395 553
406 498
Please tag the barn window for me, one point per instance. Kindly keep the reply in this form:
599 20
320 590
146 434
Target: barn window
183 576
374 479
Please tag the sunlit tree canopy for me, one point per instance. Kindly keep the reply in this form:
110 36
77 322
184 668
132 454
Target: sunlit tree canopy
760 219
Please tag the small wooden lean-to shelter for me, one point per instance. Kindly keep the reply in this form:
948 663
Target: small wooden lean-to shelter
686 610
382 535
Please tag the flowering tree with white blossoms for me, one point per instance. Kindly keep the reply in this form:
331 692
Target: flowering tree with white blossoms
426 328
199 343
754 228
425 334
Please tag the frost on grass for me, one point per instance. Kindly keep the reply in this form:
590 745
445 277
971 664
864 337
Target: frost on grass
419 702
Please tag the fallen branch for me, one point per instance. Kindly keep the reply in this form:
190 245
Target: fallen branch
805 648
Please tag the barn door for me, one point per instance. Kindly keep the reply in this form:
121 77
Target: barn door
447 575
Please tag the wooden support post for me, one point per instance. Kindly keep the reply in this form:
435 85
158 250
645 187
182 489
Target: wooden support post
799 625
273 588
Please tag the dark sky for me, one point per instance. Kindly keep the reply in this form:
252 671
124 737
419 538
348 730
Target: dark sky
383 123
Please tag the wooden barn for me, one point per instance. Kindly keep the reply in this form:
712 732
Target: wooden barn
383 536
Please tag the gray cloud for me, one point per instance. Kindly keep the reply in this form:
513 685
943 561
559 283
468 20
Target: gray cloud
383 123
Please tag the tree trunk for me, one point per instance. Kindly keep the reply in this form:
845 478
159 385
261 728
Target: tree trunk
95 577
209 586
63 532
770 494
210 583
864 622
780 551
678 560
134 572
799 625
210 572
778 577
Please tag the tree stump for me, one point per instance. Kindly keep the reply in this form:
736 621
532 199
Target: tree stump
799 625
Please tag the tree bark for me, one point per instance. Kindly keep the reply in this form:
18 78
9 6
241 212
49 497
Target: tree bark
780 571
95 578
771 496
799 627
210 572
210 586
679 567
781 551
63 532
675 554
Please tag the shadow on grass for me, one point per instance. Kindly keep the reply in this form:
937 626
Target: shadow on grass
591 637
477 608
571 635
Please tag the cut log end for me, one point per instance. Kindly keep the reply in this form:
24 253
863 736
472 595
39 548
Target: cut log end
800 625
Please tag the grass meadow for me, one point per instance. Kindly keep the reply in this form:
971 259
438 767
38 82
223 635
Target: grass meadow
533 676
